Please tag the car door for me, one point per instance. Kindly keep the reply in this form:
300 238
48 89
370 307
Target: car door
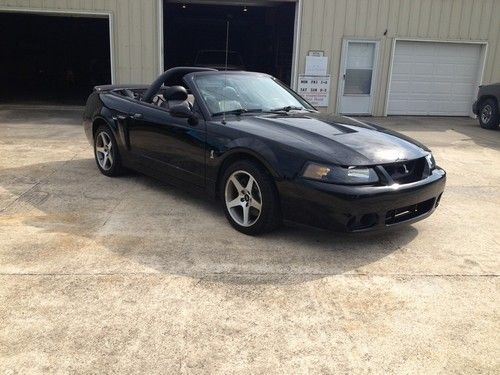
167 144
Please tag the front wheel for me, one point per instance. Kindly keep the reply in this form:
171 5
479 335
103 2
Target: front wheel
250 198
489 117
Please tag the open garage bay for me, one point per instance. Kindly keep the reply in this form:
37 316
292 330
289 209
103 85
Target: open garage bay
129 275
260 35
52 58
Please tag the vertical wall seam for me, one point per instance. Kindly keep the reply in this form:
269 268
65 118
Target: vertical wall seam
129 42
461 18
333 77
141 38
493 46
356 17
323 21
470 19
312 24
398 24
441 6
419 20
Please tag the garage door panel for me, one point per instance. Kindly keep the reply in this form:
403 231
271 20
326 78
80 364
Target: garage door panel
465 72
461 90
430 78
442 108
422 68
443 69
405 49
402 87
398 107
402 68
421 88
418 97
442 88
418 105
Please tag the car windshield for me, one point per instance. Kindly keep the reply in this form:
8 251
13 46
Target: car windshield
240 93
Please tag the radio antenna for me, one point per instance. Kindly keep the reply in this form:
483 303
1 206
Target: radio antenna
225 72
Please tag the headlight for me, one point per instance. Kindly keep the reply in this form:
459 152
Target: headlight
430 161
340 175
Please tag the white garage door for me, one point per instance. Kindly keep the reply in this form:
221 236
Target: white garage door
433 78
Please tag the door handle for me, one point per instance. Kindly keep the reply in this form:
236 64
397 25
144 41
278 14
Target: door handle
120 117
136 116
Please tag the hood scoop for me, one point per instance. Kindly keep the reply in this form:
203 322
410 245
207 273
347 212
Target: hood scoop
309 124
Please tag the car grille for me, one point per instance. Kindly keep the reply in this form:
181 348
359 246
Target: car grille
409 212
406 172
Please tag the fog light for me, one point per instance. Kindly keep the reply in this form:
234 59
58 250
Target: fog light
368 220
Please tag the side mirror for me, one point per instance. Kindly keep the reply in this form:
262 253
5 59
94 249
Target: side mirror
184 112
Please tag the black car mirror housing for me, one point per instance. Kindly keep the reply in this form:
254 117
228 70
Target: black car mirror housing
184 112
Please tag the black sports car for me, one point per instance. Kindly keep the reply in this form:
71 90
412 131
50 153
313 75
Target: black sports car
263 150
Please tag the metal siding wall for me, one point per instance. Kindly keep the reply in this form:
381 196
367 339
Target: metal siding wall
134 32
326 23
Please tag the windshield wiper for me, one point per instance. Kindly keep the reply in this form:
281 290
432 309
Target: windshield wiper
238 111
287 108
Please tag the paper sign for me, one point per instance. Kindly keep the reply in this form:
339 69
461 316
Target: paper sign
316 65
316 53
315 89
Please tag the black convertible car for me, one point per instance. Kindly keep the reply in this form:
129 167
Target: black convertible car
263 150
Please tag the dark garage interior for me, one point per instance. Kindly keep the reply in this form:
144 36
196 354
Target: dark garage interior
52 59
260 35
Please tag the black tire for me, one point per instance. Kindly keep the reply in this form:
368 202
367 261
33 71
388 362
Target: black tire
489 117
113 167
269 217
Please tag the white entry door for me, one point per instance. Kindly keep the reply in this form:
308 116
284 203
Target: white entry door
358 77
434 78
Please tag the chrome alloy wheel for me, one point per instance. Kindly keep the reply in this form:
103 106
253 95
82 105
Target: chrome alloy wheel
104 151
486 114
243 198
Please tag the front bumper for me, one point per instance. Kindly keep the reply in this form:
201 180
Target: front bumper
360 208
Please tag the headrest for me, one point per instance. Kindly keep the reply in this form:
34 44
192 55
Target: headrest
229 92
175 93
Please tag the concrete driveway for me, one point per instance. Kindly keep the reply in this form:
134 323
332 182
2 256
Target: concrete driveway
128 275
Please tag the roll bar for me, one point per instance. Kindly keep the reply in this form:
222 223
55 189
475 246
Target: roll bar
173 77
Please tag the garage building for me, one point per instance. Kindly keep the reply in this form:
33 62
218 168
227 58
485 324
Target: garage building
384 57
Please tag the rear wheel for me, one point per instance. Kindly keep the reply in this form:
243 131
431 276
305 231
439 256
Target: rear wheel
249 198
106 152
489 118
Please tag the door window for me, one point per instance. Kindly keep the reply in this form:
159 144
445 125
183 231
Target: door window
359 68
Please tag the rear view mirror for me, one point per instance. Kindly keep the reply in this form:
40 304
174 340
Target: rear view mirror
184 112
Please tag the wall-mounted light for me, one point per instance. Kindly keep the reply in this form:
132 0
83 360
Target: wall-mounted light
183 6
245 9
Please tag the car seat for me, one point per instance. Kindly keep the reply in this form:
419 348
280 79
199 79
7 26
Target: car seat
175 95
230 100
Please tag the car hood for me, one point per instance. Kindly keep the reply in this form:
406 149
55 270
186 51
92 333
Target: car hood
335 139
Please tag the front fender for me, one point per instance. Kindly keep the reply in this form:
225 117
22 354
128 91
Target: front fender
103 117
218 155
255 149
111 109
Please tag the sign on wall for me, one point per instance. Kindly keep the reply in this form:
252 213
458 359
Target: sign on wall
316 53
316 65
315 89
